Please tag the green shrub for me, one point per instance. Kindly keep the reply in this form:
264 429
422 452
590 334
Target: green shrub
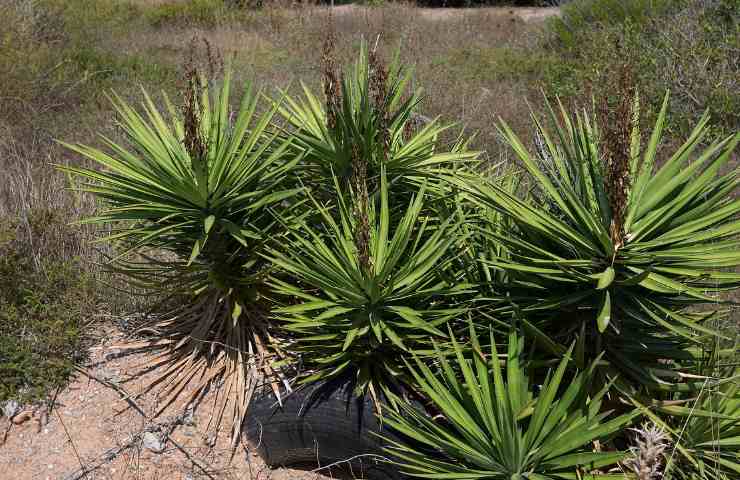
45 302
206 13
685 47
499 425
368 115
191 202
579 17
365 305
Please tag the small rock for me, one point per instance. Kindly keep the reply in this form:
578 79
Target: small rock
22 417
210 440
188 418
111 376
11 408
152 442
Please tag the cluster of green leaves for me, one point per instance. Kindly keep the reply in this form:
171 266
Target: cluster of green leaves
190 204
680 231
497 426
364 321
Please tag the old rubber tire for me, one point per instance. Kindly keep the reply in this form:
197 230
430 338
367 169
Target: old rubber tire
313 430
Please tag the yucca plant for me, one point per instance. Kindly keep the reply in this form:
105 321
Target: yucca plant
191 203
493 424
370 290
610 248
368 113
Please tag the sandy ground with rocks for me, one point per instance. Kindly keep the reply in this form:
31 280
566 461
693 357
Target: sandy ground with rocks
93 434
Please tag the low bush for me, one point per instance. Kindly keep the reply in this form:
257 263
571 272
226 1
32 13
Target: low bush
44 303
687 47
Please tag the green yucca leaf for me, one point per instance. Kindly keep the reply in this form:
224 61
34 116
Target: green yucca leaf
703 428
563 266
482 433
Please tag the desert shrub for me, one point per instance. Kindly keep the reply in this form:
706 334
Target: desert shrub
687 47
368 272
45 302
368 114
368 290
498 425
613 253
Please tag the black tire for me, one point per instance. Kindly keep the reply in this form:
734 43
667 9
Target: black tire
315 429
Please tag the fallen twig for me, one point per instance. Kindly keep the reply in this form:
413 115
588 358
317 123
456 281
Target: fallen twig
123 393
71 442
165 429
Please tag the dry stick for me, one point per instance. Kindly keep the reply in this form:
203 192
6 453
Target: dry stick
164 428
347 460
69 437
194 461
112 453
123 393
5 433
106 457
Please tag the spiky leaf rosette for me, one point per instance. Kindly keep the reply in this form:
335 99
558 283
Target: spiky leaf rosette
621 282
189 203
497 425
374 118
358 319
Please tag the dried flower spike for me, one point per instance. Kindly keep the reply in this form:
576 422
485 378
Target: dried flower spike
332 85
617 128
647 455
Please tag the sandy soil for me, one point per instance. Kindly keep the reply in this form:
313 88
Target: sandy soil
92 428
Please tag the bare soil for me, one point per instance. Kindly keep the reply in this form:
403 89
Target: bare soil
93 433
